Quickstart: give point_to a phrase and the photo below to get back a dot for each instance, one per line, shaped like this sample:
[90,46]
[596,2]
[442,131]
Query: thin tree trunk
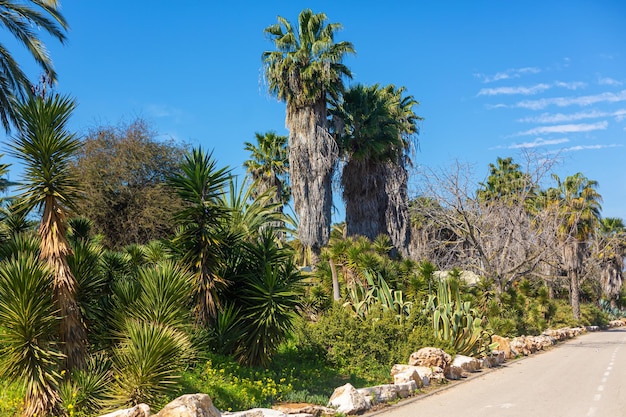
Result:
[575,294]
[333,273]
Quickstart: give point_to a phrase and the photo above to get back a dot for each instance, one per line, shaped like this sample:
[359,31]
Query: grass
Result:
[11,396]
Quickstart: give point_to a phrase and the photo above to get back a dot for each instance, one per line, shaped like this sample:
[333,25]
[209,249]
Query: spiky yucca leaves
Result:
[28,323]
[151,343]
[268,293]
[199,184]
[25,21]
[304,71]
[85,391]
[45,147]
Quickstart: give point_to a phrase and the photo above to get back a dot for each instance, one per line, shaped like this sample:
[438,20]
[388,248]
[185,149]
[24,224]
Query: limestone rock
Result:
[346,399]
[504,344]
[466,363]
[499,355]
[301,409]
[141,410]
[380,393]
[423,371]
[190,405]
[406,389]
[453,372]
[260,412]
[430,356]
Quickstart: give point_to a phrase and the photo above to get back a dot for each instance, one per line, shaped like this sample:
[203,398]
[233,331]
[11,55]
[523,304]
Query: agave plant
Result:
[456,321]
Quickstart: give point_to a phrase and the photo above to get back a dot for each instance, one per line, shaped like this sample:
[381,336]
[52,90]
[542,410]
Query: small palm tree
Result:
[304,71]
[578,207]
[45,147]
[199,184]
[269,165]
[24,20]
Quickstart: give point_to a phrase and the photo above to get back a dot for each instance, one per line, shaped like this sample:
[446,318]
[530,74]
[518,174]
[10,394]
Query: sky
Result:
[493,78]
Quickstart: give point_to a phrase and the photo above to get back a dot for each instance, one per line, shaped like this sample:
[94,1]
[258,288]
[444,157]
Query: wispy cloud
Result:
[609,81]
[527,91]
[569,101]
[568,128]
[587,147]
[538,142]
[508,74]
[514,90]
[562,118]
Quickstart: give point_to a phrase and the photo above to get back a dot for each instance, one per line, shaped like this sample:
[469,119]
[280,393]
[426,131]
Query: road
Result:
[584,377]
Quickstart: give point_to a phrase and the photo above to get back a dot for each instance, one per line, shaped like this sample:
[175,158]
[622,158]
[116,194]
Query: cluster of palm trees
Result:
[369,131]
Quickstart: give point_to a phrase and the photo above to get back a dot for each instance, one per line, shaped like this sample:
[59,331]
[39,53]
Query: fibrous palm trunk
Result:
[573,252]
[312,155]
[54,250]
[398,224]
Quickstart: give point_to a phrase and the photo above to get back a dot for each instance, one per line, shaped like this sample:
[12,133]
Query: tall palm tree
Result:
[578,207]
[375,127]
[45,147]
[304,71]
[611,252]
[24,20]
[199,184]
[269,165]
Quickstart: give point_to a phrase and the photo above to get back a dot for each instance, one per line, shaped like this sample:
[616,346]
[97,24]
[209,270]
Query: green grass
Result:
[11,396]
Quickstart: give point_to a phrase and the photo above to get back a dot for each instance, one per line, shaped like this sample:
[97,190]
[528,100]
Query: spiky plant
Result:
[45,146]
[28,323]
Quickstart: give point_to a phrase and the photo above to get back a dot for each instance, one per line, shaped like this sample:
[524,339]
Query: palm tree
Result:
[611,251]
[304,71]
[375,127]
[199,184]
[45,147]
[578,206]
[24,20]
[269,165]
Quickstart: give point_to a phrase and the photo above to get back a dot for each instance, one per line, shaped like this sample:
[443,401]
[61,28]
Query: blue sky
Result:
[493,78]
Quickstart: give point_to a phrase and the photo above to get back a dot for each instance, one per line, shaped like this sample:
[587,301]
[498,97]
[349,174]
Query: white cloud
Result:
[568,128]
[569,101]
[514,90]
[587,147]
[508,74]
[561,118]
[608,81]
[574,85]
[160,110]
[538,142]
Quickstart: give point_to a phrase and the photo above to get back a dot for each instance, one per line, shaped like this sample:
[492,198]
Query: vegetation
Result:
[152,271]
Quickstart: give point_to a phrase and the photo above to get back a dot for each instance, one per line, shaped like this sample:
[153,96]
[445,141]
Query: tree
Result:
[269,165]
[610,250]
[304,71]
[45,147]
[577,204]
[23,20]
[375,128]
[122,171]
[506,181]
[200,241]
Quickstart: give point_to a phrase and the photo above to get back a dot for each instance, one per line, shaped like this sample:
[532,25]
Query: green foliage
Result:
[85,391]
[377,294]
[28,325]
[456,322]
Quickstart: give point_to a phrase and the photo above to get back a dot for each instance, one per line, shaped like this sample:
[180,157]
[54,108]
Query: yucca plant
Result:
[28,328]
[85,391]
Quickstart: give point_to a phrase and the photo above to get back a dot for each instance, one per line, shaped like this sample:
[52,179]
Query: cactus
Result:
[361,297]
[457,322]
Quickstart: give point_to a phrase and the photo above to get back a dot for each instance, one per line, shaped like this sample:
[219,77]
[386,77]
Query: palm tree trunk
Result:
[312,155]
[54,250]
[333,273]
[398,224]
[364,194]
[575,294]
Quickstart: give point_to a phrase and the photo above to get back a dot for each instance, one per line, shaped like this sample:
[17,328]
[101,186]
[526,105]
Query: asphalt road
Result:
[583,377]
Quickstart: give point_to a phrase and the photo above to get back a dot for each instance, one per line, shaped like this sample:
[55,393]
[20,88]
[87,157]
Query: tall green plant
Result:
[28,324]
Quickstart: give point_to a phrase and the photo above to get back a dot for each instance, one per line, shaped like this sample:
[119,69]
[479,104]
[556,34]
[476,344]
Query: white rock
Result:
[257,412]
[466,363]
[346,399]
[190,405]
[380,393]
[141,410]
[406,389]
[453,372]
[423,371]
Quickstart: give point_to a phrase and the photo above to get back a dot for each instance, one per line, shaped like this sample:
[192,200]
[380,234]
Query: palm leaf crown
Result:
[305,67]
